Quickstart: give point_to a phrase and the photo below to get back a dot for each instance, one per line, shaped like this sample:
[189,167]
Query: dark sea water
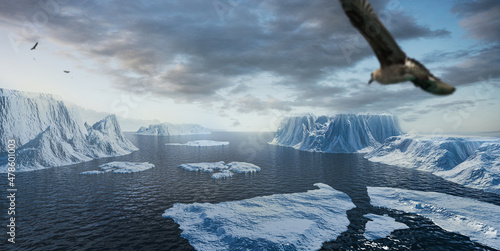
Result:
[59,209]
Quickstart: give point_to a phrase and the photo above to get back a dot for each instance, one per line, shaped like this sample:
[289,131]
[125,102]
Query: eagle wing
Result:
[363,18]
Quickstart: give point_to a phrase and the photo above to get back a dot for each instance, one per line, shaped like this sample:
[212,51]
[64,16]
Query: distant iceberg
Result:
[237,167]
[122,167]
[297,221]
[380,226]
[49,133]
[167,129]
[478,220]
[470,161]
[201,143]
[342,133]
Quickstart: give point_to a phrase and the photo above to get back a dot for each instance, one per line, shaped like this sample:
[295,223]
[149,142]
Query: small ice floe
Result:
[226,169]
[122,167]
[381,226]
[201,143]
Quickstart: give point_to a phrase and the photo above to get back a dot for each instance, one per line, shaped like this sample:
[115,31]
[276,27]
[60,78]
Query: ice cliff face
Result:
[166,129]
[50,134]
[470,161]
[342,133]
[24,115]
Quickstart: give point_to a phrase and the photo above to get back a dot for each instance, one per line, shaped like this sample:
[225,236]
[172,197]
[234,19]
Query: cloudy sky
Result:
[242,65]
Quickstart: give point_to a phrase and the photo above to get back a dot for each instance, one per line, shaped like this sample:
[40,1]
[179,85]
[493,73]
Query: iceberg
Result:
[342,133]
[166,129]
[297,221]
[59,146]
[478,220]
[122,167]
[480,170]
[201,143]
[381,226]
[470,161]
[49,133]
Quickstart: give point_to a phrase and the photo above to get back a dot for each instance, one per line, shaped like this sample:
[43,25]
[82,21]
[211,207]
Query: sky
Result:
[242,65]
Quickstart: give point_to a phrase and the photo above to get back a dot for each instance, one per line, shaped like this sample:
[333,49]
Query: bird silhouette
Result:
[66,71]
[395,66]
[34,46]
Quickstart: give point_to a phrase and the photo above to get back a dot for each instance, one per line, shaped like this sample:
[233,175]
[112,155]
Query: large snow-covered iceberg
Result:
[342,133]
[48,133]
[297,221]
[122,167]
[478,220]
[166,129]
[470,161]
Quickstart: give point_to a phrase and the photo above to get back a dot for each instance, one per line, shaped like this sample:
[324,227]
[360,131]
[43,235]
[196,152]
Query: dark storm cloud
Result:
[483,65]
[189,51]
[481,18]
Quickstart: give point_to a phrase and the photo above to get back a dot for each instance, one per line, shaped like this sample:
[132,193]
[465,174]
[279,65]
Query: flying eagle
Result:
[66,71]
[34,46]
[395,66]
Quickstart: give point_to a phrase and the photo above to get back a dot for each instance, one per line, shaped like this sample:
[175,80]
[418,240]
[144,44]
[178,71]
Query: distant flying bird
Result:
[34,46]
[395,66]
[66,71]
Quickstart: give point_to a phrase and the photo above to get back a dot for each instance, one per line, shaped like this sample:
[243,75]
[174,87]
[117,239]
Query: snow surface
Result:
[470,161]
[50,133]
[166,129]
[237,167]
[222,175]
[478,220]
[342,133]
[122,167]
[201,143]
[381,226]
[297,221]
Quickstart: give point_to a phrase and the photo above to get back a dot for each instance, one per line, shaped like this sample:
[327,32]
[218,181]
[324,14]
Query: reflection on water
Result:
[58,208]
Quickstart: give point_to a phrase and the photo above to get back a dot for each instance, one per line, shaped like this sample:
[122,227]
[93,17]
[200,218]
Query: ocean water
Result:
[59,209]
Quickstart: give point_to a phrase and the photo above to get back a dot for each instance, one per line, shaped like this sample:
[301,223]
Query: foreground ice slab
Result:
[298,221]
[381,226]
[478,220]
[122,167]
[201,143]
[237,167]
[470,161]
[342,133]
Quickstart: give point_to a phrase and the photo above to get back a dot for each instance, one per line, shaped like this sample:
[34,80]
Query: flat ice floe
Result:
[237,167]
[381,226]
[478,220]
[297,221]
[122,167]
[201,143]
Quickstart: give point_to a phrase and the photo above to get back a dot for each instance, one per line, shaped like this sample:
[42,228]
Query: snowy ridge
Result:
[470,161]
[297,221]
[50,134]
[478,220]
[342,133]
[166,129]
